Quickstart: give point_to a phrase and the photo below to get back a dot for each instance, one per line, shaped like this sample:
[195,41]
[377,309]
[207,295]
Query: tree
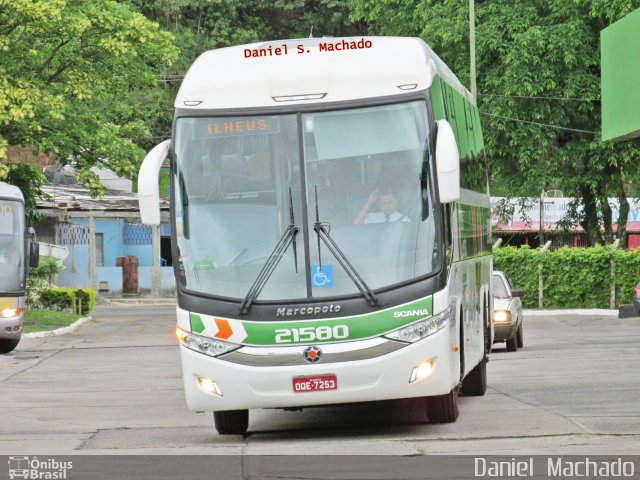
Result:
[539,87]
[68,72]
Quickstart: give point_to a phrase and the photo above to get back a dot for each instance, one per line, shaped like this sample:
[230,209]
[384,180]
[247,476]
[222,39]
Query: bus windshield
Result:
[365,179]
[12,247]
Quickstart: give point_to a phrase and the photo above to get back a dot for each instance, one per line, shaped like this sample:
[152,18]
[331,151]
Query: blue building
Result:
[109,249]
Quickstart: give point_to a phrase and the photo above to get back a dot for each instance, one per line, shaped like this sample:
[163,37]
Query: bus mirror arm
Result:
[148,183]
[447,163]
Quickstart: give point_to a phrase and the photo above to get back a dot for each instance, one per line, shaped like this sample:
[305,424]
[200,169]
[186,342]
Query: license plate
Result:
[315,383]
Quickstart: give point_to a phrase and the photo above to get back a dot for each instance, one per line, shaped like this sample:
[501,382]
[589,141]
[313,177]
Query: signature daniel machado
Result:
[300,49]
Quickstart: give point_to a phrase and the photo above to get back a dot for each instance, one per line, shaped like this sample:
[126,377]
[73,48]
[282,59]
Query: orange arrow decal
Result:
[224,329]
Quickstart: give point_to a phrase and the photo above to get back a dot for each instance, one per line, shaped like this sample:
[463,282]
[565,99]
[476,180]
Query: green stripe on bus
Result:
[358,327]
[196,323]
[330,330]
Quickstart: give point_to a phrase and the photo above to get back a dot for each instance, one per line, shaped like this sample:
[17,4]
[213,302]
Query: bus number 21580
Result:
[311,334]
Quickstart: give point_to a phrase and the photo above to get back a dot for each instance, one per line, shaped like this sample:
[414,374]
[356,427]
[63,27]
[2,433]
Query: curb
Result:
[577,312]
[58,331]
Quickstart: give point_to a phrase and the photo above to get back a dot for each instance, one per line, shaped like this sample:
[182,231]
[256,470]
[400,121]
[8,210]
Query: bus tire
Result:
[520,336]
[475,384]
[443,408]
[231,422]
[512,343]
[8,344]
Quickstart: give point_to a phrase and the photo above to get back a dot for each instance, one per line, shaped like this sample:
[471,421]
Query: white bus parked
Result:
[13,264]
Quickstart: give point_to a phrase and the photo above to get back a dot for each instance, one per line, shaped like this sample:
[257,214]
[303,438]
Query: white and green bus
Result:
[14,251]
[331,228]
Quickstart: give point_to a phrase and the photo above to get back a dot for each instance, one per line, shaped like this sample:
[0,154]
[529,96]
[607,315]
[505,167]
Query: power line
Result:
[574,99]
[540,124]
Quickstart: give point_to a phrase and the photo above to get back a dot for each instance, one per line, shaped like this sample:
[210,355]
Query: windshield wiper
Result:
[322,229]
[288,237]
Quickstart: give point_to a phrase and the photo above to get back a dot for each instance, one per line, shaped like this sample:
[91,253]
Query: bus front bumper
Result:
[11,327]
[381,378]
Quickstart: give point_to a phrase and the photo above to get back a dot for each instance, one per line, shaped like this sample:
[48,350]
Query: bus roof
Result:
[10,192]
[318,70]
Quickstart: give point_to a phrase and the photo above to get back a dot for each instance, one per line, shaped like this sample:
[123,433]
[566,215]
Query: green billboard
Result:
[620,78]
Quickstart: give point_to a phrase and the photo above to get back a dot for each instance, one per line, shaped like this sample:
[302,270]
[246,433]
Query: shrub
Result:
[39,279]
[66,299]
[572,277]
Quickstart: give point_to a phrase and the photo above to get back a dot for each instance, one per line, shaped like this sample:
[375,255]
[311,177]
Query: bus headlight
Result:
[209,346]
[11,312]
[423,328]
[502,316]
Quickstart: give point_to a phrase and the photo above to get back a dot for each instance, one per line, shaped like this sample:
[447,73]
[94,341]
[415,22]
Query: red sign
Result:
[315,383]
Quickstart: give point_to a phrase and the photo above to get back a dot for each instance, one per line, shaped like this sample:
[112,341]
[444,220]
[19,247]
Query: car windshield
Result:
[12,269]
[500,289]
[366,176]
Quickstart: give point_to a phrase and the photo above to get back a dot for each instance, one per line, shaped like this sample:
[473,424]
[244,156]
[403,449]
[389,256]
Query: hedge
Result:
[572,277]
[62,299]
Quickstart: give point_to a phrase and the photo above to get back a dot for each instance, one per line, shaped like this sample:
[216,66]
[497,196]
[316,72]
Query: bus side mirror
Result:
[447,163]
[149,184]
[34,248]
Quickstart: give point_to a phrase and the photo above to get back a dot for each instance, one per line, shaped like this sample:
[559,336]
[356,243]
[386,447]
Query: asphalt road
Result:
[115,387]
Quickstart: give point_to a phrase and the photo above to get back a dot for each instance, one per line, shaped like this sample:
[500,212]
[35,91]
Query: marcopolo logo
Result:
[36,469]
[308,310]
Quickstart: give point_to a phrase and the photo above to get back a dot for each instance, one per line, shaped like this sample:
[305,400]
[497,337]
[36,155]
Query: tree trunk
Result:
[624,210]
[590,220]
[607,218]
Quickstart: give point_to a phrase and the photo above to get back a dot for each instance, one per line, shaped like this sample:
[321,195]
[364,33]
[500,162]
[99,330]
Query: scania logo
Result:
[312,354]
[307,311]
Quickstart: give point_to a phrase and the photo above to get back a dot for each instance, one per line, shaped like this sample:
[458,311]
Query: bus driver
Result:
[387,205]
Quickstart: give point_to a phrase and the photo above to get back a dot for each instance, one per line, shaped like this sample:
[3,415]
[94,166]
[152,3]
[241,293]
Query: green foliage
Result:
[572,277]
[29,181]
[46,269]
[201,25]
[627,274]
[35,287]
[538,68]
[64,299]
[577,277]
[521,266]
[39,279]
[68,69]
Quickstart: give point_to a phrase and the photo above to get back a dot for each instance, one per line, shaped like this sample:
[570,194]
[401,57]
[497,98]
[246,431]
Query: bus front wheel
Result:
[443,408]
[231,422]
[8,344]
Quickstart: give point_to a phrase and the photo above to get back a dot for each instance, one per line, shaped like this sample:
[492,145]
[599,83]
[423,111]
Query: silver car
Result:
[507,312]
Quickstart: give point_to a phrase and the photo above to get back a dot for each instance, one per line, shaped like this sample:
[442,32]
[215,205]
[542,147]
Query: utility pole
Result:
[542,218]
[472,46]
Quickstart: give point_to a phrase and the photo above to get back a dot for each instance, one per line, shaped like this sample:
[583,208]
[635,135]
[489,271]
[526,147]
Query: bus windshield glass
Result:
[369,183]
[371,168]
[12,247]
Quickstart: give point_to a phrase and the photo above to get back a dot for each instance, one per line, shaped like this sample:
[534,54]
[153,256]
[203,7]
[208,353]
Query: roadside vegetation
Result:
[596,277]
[49,307]
[43,320]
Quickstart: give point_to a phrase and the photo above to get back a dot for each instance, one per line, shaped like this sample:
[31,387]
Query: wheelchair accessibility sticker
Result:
[322,276]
